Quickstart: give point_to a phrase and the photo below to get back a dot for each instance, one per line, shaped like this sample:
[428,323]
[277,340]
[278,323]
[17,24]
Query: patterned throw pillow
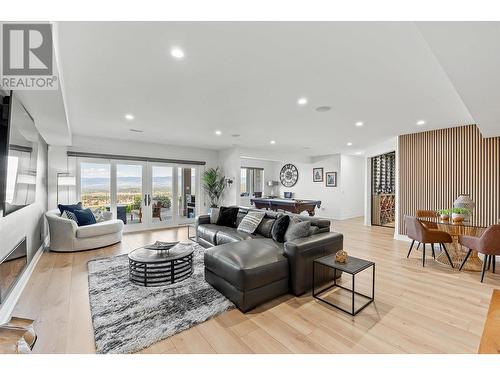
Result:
[69,215]
[99,215]
[251,221]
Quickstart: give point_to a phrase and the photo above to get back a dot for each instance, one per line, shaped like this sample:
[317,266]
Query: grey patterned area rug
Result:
[129,317]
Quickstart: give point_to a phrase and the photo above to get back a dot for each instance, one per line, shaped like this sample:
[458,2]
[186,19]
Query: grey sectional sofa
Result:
[251,269]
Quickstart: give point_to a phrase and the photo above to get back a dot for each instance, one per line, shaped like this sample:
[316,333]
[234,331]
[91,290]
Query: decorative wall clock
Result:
[289,175]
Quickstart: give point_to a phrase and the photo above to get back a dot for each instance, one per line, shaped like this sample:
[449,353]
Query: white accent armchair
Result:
[67,236]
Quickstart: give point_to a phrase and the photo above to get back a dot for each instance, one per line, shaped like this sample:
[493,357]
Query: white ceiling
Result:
[471,58]
[245,78]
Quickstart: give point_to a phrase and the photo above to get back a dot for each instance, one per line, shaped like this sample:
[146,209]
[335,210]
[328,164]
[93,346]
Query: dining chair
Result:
[488,244]
[428,214]
[419,232]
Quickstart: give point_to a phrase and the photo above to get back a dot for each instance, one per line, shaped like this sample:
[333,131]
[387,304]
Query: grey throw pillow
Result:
[251,221]
[313,230]
[214,215]
[297,229]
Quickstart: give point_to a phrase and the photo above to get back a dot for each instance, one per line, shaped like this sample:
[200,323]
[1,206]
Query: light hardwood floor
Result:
[416,310]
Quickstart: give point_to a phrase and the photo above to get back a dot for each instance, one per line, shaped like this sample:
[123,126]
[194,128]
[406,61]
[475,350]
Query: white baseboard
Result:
[10,303]
[401,237]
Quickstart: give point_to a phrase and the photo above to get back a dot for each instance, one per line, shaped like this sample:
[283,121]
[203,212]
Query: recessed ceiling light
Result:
[359,153]
[137,130]
[420,122]
[349,143]
[323,108]
[129,116]
[218,132]
[177,53]
[359,124]
[302,101]
[273,142]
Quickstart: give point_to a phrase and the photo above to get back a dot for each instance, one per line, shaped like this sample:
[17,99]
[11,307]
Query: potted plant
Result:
[444,215]
[458,214]
[214,184]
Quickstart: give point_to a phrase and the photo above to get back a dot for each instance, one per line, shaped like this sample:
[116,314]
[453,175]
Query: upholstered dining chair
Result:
[428,214]
[422,214]
[488,244]
[419,232]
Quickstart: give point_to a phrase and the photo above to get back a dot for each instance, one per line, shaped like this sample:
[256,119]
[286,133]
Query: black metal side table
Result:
[352,266]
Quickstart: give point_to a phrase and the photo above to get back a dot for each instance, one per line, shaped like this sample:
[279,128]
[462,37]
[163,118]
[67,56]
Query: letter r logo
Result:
[27,49]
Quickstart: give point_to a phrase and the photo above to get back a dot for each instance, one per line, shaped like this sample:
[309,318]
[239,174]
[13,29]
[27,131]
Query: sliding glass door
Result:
[186,193]
[130,187]
[143,195]
[161,196]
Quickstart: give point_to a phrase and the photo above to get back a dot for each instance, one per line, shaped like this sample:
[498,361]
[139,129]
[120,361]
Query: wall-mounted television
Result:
[19,142]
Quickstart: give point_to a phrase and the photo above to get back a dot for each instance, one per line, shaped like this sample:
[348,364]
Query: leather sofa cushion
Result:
[99,229]
[280,246]
[208,232]
[265,227]
[248,264]
[229,235]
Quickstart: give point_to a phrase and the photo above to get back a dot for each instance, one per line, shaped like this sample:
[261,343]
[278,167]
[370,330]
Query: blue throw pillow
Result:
[85,217]
[69,207]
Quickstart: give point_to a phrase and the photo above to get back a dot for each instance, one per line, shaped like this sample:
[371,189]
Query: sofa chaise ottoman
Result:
[247,272]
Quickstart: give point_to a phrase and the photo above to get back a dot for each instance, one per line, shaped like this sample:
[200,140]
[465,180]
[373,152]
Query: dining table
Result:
[456,251]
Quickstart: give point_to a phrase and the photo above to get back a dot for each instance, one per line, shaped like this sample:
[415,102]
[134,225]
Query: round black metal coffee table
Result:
[155,268]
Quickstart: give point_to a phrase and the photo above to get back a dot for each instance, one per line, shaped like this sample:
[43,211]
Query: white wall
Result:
[352,187]
[229,162]
[305,188]
[342,202]
[274,155]
[59,163]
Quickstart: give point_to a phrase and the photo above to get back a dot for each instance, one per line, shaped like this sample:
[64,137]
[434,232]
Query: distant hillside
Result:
[101,183]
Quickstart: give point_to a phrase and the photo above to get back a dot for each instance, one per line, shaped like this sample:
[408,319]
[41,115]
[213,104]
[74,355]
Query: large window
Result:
[252,181]
[95,186]
[142,194]
[162,193]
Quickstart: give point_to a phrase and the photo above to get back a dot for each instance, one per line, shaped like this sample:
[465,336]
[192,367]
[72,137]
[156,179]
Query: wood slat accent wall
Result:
[436,166]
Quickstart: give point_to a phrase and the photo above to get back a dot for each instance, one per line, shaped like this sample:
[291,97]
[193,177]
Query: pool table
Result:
[291,205]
